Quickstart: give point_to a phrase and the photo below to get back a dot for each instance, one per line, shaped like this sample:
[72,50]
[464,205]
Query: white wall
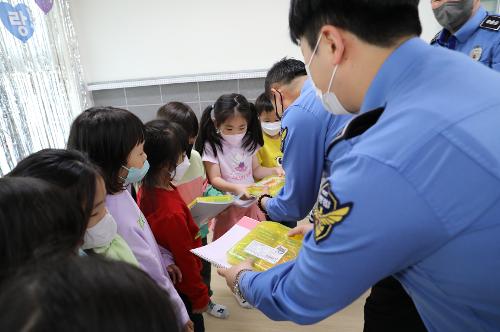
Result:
[127,40]
[429,24]
[124,39]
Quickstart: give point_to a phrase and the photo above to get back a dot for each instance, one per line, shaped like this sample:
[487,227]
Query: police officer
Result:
[306,130]
[415,188]
[469,29]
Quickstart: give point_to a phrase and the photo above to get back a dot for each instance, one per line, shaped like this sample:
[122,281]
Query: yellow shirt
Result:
[270,154]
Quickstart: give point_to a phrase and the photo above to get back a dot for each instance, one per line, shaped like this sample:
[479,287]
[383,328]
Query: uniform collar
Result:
[305,88]
[393,72]
[471,25]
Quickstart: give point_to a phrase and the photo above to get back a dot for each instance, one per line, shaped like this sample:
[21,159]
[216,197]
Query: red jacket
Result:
[174,229]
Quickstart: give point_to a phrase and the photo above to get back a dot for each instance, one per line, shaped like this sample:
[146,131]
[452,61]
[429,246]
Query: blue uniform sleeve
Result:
[379,224]
[303,142]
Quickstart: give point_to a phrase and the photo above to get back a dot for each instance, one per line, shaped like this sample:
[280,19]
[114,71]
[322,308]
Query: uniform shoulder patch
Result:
[284,134]
[491,22]
[328,213]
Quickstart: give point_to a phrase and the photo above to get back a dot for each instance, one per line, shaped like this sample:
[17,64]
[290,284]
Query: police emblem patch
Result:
[328,213]
[476,53]
[491,22]
[284,134]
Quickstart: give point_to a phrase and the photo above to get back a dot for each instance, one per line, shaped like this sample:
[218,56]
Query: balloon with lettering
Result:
[17,20]
[45,5]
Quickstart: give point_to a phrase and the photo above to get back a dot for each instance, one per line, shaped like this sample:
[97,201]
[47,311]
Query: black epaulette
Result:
[435,39]
[356,127]
[491,22]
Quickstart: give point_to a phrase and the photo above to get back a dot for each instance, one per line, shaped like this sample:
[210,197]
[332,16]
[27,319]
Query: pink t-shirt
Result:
[235,163]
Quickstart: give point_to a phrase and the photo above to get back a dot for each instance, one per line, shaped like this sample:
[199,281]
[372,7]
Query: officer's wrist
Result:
[236,284]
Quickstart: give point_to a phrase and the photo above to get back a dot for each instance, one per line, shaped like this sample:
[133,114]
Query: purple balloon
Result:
[45,5]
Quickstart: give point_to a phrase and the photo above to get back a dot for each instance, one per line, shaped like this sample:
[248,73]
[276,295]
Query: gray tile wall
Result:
[145,101]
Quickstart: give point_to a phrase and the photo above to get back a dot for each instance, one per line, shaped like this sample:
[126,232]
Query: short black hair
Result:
[284,72]
[263,104]
[107,135]
[225,107]
[164,142]
[380,22]
[182,114]
[85,294]
[37,220]
[70,170]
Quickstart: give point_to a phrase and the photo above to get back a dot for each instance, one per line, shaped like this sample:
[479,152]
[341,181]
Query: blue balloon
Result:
[17,20]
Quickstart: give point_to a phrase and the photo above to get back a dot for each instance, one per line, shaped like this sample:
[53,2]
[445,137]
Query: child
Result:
[78,177]
[169,216]
[84,294]
[229,138]
[37,221]
[113,138]
[270,154]
[193,184]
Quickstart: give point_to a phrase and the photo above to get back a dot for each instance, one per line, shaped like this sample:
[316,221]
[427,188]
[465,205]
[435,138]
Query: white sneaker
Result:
[217,310]
[243,303]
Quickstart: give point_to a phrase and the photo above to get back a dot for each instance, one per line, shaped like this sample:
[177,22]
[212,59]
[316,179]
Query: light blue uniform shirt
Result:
[306,131]
[480,43]
[414,194]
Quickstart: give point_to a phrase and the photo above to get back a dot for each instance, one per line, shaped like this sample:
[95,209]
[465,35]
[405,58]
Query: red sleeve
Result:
[173,233]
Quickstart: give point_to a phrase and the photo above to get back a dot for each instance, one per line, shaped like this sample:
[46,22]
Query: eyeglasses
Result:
[276,105]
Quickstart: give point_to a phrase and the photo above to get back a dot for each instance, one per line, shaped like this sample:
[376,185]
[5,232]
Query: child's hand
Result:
[301,229]
[279,171]
[242,190]
[175,273]
[189,327]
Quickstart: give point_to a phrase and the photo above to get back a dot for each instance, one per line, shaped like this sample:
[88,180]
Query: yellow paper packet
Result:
[268,243]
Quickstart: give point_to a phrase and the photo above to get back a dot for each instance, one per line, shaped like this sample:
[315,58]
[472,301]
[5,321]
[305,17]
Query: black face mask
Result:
[188,152]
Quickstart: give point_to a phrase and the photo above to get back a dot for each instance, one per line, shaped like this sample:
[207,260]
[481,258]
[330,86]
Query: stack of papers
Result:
[205,208]
[216,252]
[266,241]
[270,185]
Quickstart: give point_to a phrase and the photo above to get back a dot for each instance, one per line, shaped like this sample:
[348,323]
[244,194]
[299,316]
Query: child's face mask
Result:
[136,174]
[271,128]
[180,170]
[234,140]
[101,234]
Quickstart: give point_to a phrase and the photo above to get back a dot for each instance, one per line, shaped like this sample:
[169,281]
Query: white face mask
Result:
[180,170]
[271,128]
[101,234]
[329,99]
[234,140]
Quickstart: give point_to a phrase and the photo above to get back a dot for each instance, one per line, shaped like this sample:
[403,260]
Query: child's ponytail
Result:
[208,132]
[254,138]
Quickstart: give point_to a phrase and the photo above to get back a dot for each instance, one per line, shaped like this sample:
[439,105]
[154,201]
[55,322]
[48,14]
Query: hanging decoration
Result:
[42,88]
[17,20]
[45,5]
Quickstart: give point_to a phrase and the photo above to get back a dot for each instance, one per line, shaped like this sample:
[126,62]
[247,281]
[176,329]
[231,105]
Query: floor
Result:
[250,320]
